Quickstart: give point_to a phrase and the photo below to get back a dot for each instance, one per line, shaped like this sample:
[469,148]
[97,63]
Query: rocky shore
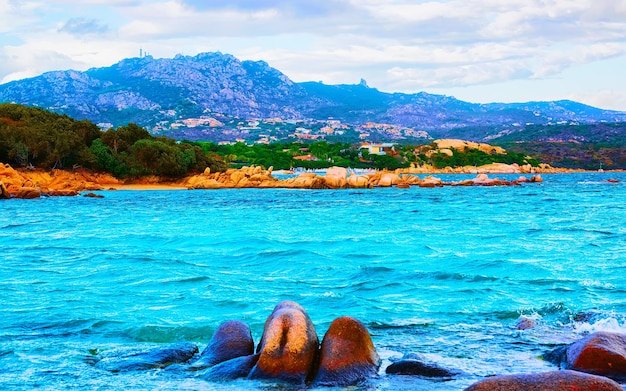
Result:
[290,352]
[36,183]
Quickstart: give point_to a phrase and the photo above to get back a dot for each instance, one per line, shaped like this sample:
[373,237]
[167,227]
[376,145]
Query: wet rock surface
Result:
[416,365]
[546,381]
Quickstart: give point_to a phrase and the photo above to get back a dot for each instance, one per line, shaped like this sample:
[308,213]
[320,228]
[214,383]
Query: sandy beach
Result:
[161,186]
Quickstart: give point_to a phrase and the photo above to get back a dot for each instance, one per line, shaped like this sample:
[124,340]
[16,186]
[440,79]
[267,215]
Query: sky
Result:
[479,51]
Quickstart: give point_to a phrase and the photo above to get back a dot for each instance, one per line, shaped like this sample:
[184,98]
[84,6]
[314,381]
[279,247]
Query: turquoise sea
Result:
[443,272]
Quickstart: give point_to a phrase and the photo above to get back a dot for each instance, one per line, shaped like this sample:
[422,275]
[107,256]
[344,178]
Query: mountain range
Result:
[156,92]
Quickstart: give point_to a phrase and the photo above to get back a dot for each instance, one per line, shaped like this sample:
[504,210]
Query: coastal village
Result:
[223,129]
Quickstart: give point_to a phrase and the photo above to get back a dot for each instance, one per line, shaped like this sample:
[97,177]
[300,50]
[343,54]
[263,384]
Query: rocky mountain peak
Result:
[148,90]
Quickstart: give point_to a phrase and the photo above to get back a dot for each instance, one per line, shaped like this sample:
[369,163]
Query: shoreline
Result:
[142,187]
[23,183]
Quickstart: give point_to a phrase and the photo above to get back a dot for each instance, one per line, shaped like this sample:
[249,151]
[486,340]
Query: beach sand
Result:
[160,186]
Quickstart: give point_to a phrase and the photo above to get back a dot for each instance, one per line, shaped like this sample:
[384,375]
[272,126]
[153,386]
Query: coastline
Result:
[25,183]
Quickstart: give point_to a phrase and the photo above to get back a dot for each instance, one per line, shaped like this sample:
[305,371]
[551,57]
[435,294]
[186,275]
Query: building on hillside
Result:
[308,158]
[379,149]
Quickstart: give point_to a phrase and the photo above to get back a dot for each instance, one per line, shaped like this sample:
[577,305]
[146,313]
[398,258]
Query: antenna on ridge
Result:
[140,52]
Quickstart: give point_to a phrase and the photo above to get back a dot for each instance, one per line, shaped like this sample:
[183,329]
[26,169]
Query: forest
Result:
[36,138]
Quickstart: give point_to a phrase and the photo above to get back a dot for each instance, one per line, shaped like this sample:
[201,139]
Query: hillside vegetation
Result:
[32,137]
[585,146]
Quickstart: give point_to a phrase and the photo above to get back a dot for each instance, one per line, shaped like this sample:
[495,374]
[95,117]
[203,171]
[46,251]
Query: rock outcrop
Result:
[31,184]
[462,145]
[415,365]
[347,356]
[547,381]
[601,353]
[35,183]
[233,178]
[288,347]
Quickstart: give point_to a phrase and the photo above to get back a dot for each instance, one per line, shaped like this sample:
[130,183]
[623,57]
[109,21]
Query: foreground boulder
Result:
[124,361]
[288,347]
[415,365]
[547,381]
[348,355]
[232,339]
[601,353]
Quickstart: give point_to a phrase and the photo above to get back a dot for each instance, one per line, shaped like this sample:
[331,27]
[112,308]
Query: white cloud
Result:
[394,44]
[606,99]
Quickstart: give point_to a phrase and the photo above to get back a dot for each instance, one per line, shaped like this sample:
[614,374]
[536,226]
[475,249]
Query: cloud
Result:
[406,45]
[24,63]
[300,8]
[606,99]
[81,26]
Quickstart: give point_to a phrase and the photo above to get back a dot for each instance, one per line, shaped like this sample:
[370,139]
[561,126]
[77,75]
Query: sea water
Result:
[444,272]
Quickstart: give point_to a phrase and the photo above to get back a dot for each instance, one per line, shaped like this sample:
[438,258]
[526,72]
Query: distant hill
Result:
[154,92]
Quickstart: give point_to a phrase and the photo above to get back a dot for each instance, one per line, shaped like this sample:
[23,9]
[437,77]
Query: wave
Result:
[401,324]
[167,334]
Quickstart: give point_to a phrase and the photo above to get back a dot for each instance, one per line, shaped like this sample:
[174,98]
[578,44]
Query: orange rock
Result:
[244,182]
[27,193]
[601,353]
[62,193]
[430,181]
[236,176]
[358,181]
[288,347]
[547,381]
[348,355]
[304,181]
[522,179]
[388,179]
[411,179]
[206,184]
[336,177]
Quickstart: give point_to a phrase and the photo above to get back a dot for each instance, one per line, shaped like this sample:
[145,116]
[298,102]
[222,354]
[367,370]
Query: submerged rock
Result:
[62,193]
[348,355]
[231,339]
[93,195]
[125,361]
[232,369]
[525,323]
[547,381]
[415,365]
[288,347]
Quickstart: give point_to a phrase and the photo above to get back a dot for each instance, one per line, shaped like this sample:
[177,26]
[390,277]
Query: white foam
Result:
[607,324]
